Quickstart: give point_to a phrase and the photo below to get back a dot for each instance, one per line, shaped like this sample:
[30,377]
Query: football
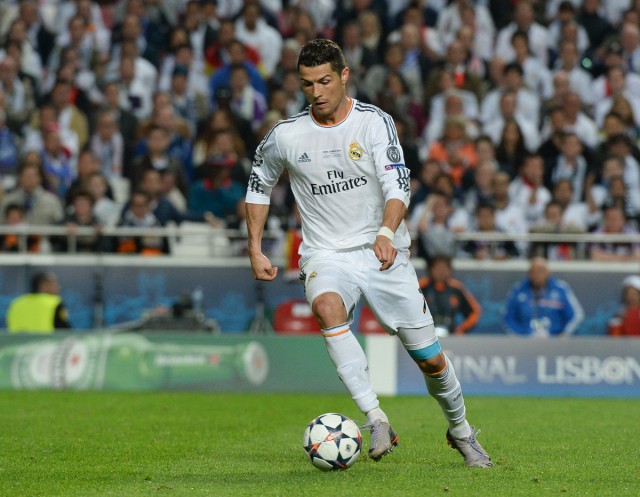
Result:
[332,441]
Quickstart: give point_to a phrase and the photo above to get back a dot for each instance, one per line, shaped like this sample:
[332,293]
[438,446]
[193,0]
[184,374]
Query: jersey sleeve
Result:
[391,169]
[267,167]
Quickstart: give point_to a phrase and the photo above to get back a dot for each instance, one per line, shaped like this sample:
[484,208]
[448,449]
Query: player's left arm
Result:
[393,176]
[394,211]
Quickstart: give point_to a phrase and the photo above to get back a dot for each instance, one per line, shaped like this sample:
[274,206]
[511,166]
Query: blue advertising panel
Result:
[573,367]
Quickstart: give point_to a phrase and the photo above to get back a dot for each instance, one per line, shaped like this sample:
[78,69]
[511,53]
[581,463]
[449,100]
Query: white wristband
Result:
[384,231]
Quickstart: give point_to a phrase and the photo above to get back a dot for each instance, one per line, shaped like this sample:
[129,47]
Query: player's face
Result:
[325,91]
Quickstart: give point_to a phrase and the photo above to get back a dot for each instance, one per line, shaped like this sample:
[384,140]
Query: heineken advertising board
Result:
[133,361]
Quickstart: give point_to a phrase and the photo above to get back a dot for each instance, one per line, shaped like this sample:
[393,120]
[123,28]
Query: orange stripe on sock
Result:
[337,333]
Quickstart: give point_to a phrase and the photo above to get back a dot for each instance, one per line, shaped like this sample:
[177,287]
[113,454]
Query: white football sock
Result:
[445,388]
[351,363]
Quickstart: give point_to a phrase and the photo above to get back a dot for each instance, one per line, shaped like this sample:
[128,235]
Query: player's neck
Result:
[339,115]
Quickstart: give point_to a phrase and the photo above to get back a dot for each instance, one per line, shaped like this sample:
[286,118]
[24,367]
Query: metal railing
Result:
[208,234]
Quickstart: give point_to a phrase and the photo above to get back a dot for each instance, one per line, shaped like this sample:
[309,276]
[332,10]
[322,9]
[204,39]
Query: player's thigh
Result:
[336,274]
[395,297]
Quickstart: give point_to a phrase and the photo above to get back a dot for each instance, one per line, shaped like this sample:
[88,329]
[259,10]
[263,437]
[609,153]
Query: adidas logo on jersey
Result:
[304,158]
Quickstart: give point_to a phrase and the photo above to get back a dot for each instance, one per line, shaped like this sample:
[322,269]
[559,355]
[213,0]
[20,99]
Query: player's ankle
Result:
[376,414]
[460,430]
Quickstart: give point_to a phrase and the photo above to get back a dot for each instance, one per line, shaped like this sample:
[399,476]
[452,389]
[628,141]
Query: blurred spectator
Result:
[454,309]
[358,57]
[528,190]
[80,215]
[8,154]
[217,194]
[105,209]
[453,17]
[596,25]
[508,111]
[527,106]
[482,249]
[436,222]
[162,208]
[455,151]
[127,121]
[481,190]
[424,183]
[612,87]
[252,29]
[133,92]
[41,310]
[19,98]
[139,215]
[17,44]
[630,41]
[375,77]
[219,53]
[396,99]
[221,78]
[70,117]
[579,79]
[202,33]
[575,212]
[76,37]
[41,38]
[524,20]
[626,321]
[614,222]
[58,164]
[463,79]
[164,116]
[371,32]
[536,76]
[620,146]
[565,15]
[246,101]
[158,157]
[579,122]
[14,215]
[542,305]
[451,102]
[571,164]
[196,80]
[553,222]
[190,105]
[511,149]
[510,216]
[107,144]
[41,207]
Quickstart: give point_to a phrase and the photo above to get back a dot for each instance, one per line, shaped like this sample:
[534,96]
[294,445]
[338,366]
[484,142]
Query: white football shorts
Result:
[393,295]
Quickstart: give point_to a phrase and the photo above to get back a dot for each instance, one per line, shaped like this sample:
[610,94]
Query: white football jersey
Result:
[341,175]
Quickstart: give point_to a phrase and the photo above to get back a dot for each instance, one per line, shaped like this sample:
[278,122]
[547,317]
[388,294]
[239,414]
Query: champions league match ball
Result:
[332,441]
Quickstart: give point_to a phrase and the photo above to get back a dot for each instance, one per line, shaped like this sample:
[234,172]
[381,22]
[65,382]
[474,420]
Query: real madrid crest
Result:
[355,151]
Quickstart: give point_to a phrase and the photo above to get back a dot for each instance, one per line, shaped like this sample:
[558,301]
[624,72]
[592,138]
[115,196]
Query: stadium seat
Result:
[295,317]
[198,240]
[367,323]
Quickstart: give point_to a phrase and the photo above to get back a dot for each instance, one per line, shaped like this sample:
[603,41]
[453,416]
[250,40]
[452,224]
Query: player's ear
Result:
[345,75]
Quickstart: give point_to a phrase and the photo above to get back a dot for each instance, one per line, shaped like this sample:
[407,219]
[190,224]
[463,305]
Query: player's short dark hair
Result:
[321,51]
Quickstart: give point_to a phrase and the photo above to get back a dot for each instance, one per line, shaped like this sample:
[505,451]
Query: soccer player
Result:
[351,186]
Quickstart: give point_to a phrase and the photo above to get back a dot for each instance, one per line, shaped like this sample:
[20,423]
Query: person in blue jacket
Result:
[542,305]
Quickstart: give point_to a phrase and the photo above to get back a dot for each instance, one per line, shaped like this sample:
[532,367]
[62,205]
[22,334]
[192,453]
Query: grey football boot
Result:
[474,455]
[383,439]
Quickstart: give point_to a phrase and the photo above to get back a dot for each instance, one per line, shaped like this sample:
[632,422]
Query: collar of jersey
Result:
[336,124]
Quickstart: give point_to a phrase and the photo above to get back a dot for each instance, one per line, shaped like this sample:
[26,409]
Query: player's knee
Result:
[329,309]
[432,365]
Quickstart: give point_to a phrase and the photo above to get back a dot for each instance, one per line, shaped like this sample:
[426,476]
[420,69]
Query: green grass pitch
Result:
[210,444]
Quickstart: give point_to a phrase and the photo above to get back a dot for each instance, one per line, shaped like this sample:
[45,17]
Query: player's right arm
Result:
[260,263]
[267,167]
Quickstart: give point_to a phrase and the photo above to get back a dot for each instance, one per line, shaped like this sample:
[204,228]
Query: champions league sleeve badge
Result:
[393,154]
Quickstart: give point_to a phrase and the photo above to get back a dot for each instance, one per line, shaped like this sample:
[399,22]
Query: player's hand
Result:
[262,268]
[385,252]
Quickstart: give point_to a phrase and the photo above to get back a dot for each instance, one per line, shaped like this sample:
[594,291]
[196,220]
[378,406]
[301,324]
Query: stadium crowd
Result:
[515,116]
